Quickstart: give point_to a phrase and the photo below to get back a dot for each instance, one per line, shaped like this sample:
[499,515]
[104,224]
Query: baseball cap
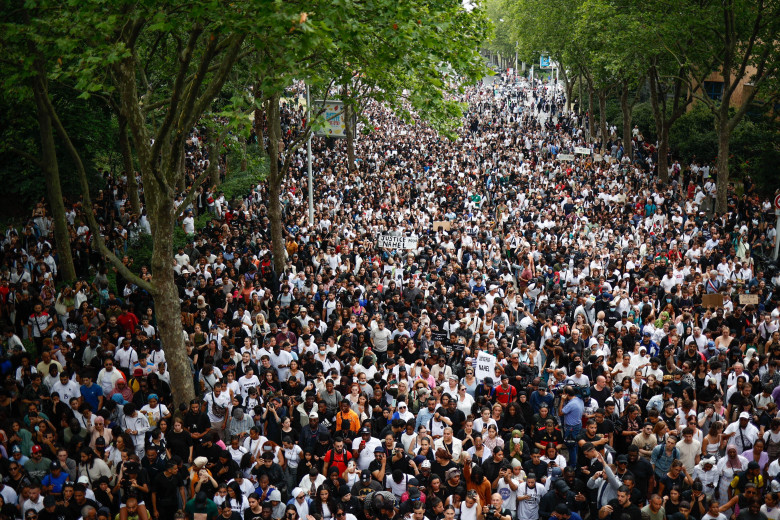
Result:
[744,415]
[49,501]
[275,496]
[488,381]
[426,464]
[313,415]
[379,449]
[36,448]
[365,476]
[562,486]
[365,431]
[452,473]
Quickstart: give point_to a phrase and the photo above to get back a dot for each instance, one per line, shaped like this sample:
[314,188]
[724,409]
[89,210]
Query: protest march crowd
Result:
[567,338]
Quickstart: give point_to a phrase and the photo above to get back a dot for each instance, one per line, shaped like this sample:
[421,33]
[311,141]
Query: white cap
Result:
[744,415]
[313,415]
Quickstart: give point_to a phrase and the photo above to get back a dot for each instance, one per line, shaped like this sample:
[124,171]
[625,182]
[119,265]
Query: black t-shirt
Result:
[606,427]
[539,470]
[196,423]
[249,515]
[59,513]
[618,511]
[642,471]
[600,395]
[166,489]
[179,444]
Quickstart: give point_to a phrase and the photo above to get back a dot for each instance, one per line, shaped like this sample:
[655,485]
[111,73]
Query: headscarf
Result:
[126,392]
[512,443]
[733,462]
[663,318]
[303,509]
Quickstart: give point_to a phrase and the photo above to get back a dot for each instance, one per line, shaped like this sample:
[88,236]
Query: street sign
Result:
[777,201]
[396,242]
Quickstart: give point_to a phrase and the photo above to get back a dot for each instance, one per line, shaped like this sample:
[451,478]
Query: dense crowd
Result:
[568,339]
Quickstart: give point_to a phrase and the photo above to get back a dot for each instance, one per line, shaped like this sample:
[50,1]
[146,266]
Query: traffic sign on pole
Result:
[777,201]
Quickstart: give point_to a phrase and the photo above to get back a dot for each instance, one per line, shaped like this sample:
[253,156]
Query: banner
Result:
[581,150]
[712,300]
[597,157]
[396,242]
[486,366]
[335,125]
[544,62]
[565,156]
[748,299]
[445,225]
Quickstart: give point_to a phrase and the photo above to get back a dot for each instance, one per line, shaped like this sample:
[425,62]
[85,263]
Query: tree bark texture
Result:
[602,94]
[51,173]
[275,178]
[627,110]
[127,165]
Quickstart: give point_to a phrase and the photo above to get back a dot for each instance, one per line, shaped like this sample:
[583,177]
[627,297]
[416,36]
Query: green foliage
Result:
[241,182]
[201,221]
[22,178]
[693,136]
[753,150]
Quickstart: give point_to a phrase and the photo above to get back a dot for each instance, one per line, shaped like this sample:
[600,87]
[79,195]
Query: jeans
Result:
[570,434]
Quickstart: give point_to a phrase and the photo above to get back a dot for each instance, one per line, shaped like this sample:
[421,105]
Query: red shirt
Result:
[128,321]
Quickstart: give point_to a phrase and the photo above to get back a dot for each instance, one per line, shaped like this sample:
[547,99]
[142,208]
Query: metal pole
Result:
[308,161]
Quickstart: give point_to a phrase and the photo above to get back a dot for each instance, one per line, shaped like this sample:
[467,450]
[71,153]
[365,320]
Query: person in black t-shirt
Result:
[536,466]
[165,492]
[255,509]
[617,507]
[196,422]
[642,470]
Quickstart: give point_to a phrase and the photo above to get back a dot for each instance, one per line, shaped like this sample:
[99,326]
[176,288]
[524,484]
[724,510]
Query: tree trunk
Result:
[724,140]
[628,113]
[127,164]
[51,173]
[663,151]
[603,118]
[166,297]
[350,131]
[590,112]
[214,160]
[275,178]
[568,86]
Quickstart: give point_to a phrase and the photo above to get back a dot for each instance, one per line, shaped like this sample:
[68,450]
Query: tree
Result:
[165,66]
[25,78]
[547,26]
[411,56]
[743,48]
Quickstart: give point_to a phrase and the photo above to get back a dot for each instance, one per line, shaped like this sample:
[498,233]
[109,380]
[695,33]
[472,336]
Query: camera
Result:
[492,510]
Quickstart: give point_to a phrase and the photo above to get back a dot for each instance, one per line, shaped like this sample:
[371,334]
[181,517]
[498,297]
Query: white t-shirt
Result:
[216,401]
[189,225]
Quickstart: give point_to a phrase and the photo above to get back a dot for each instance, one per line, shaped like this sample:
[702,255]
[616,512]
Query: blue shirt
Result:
[537,401]
[572,412]
[91,395]
[56,483]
